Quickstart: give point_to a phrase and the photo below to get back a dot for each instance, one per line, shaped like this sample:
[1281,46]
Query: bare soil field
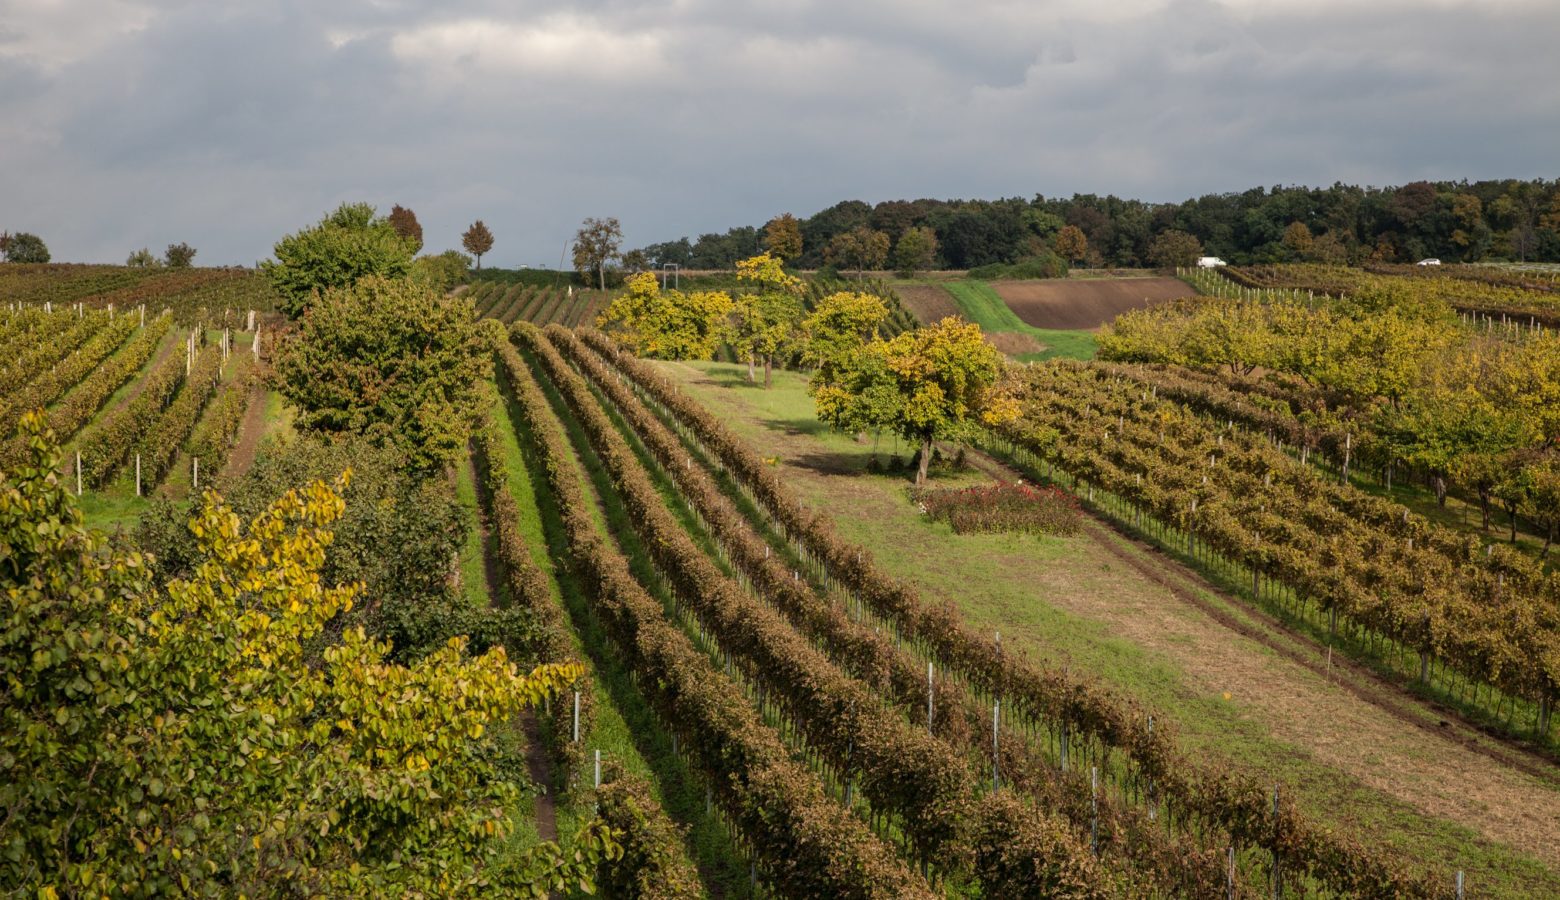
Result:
[929,303]
[1084,303]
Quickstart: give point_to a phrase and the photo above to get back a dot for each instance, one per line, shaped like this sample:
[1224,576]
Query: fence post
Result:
[78,473]
[577,717]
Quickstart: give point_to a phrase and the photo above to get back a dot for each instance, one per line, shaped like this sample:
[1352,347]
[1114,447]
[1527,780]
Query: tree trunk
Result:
[1484,506]
[602,272]
[752,378]
[479,262]
[769,364]
[926,461]
[1512,513]
[1549,540]
[1438,481]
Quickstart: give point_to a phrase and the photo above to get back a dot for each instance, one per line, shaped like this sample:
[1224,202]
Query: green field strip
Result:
[981,305]
[627,729]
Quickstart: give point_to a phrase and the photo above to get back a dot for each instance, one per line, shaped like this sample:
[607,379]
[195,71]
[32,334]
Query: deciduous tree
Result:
[1298,240]
[477,240]
[179,256]
[1174,248]
[595,245]
[347,245]
[23,247]
[783,237]
[916,251]
[1071,244]
[925,384]
[405,223]
[667,324]
[861,248]
[765,322]
[209,735]
[143,259]
[390,359]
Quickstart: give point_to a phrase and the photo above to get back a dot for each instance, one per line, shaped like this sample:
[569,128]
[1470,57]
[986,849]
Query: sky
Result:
[139,123]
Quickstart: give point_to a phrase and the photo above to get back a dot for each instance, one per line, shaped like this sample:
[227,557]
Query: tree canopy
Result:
[595,245]
[783,237]
[23,247]
[347,245]
[667,324]
[477,240]
[179,256]
[392,360]
[405,223]
[924,384]
[209,735]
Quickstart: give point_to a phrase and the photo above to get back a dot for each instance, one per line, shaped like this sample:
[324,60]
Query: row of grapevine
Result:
[44,348]
[214,296]
[1485,298]
[651,842]
[48,386]
[861,649]
[902,772]
[160,446]
[526,586]
[804,843]
[540,306]
[1046,695]
[1488,613]
[107,445]
[218,429]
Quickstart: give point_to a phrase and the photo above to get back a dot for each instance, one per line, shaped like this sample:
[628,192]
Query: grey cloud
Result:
[228,125]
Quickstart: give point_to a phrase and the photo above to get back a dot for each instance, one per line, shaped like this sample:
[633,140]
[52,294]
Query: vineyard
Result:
[761,684]
[1497,300]
[139,392]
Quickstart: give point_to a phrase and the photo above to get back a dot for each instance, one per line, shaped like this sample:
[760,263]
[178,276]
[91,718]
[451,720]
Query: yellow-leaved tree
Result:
[765,322]
[934,382]
[208,736]
[665,324]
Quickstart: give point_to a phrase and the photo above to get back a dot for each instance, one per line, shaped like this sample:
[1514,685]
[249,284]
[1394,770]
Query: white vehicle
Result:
[1428,262]
[1209,262]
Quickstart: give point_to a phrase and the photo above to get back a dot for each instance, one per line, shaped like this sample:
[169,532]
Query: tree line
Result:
[1455,221]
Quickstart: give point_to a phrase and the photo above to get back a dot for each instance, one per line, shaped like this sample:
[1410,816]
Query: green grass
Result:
[625,728]
[1000,582]
[473,553]
[982,306]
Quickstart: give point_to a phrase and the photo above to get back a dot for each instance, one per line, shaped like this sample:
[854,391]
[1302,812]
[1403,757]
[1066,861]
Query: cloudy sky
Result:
[130,123]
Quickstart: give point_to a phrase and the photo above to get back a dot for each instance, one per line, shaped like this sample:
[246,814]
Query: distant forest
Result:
[1454,221]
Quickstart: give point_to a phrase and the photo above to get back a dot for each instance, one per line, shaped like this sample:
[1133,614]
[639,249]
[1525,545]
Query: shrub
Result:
[1004,506]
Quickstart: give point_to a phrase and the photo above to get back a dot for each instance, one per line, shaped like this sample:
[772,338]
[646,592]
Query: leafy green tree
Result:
[765,323]
[783,237]
[667,324]
[1438,432]
[595,245]
[1299,241]
[347,245]
[405,223]
[207,736]
[1542,494]
[392,360]
[916,251]
[838,328]
[1174,248]
[444,271]
[925,384]
[23,247]
[477,240]
[1071,244]
[143,259]
[179,256]
[861,248]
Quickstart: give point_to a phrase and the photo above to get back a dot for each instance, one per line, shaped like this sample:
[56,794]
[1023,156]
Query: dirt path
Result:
[1365,733]
[250,432]
[1078,303]
[1192,588]
[540,769]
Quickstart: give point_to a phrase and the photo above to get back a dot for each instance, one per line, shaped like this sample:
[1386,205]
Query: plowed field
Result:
[1084,303]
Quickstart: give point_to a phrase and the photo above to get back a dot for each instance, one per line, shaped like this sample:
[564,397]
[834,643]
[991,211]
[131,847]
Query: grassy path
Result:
[1230,697]
[624,728]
